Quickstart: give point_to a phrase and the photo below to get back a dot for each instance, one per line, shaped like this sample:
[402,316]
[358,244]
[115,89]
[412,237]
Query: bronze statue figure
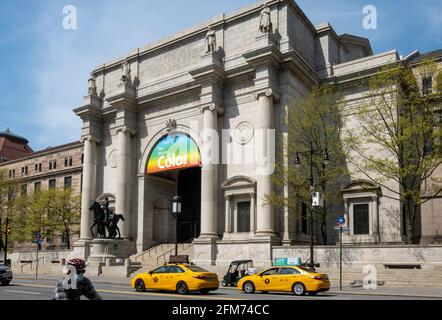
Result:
[105,218]
[99,220]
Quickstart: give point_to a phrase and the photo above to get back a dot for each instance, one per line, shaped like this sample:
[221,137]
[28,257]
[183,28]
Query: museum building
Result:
[195,115]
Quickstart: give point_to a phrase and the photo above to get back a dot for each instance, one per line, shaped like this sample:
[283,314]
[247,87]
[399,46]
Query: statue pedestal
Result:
[108,250]
[264,40]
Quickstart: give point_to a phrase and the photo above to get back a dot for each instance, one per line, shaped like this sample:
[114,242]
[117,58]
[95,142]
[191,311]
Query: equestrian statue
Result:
[105,218]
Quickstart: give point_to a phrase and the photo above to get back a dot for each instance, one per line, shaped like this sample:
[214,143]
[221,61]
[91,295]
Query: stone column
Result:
[123,185]
[252,213]
[265,219]
[209,173]
[228,226]
[88,193]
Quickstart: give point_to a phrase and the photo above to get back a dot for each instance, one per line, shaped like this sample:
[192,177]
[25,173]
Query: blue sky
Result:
[44,68]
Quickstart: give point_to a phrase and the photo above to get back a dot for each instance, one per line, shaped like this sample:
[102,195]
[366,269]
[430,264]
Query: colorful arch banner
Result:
[173,152]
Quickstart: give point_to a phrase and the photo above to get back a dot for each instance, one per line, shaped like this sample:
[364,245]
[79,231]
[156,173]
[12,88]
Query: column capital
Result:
[125,129]
[269,92]
[211,107]
[90,138]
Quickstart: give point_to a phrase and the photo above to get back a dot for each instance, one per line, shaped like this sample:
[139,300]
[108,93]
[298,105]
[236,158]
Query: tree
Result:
[8,191]
[396,140]
[52,212]
[311,121]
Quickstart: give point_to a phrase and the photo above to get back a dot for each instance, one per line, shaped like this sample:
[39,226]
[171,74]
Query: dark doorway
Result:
[189,189]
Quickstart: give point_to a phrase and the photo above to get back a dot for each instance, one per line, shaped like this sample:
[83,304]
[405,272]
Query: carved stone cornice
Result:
[264,56]
[125,129]
[124,97]
[89,112]
[90,138]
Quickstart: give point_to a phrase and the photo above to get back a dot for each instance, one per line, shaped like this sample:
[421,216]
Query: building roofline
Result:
[198,29]
[39,153]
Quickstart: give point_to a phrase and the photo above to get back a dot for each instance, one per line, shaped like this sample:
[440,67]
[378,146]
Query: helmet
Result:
[78,264]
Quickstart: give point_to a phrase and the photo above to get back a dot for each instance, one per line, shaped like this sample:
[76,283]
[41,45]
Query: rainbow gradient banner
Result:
[174,151]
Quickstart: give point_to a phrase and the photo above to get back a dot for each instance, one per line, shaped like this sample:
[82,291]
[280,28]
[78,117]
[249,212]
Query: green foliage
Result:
[311,121]
[397,135]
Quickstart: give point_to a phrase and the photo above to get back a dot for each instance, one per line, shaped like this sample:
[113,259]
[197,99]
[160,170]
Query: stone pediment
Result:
[361,185]
[238,182]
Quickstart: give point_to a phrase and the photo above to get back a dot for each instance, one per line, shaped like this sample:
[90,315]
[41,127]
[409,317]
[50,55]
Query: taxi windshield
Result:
[196,269]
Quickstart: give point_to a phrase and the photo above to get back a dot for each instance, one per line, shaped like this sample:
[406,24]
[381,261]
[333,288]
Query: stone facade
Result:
[245,80]
[61,166]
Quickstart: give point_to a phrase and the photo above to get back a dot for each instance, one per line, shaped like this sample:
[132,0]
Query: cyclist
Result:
[66,290]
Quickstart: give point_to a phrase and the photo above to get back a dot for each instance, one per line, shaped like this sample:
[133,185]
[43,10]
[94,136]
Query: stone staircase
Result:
[411,278]
[159,255]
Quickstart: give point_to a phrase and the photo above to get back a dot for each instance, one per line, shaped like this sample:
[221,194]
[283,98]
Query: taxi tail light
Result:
[316,277]
[201,277]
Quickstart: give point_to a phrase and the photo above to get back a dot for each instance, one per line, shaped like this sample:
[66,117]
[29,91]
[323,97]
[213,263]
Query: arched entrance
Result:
[175,159]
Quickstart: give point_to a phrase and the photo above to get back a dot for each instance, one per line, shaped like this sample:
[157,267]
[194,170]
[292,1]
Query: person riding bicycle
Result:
[67,289]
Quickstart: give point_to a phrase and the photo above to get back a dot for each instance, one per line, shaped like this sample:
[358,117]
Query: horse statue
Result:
[112,225]
[99,220]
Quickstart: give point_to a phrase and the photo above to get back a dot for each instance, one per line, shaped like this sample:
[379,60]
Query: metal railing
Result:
[184,246]
[31,263]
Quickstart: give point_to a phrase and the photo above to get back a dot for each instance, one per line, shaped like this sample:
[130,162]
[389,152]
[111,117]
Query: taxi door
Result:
[157,279]
[268,280]
[287,276]
[171,277]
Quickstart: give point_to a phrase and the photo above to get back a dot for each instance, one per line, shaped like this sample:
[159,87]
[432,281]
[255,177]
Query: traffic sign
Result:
[340,220]
[37,236]
[342,228]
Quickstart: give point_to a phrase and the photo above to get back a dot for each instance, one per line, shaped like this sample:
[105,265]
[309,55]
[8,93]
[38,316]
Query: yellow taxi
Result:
[298,280]
[178,277]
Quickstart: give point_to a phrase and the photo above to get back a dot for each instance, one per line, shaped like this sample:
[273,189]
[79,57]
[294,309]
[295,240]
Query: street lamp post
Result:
[176,211]
[310,153]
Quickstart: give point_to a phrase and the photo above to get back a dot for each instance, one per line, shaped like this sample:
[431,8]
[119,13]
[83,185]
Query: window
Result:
[174,269]
[13,173]
[304,219]
[360,218]
[52,183]
[50,164]
[82,158]
[68,182]
[66,162]
[288,271]
[70,161]
[196,269]
[22,171]
[270,272]
[26,170]
[55,164]
[427,85]
[243,216]
[10,173]
[36,167]
[37,186]
[162,269]
[39,167]
[24,190]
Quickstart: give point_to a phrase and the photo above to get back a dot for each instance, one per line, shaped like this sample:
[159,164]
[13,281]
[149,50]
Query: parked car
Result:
[298,280]
[5,274]
[177,277]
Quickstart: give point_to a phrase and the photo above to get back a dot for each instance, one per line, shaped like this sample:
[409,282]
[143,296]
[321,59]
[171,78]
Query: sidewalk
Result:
[381,290]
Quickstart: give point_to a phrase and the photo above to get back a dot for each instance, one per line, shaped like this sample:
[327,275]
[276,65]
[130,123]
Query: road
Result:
[21,289]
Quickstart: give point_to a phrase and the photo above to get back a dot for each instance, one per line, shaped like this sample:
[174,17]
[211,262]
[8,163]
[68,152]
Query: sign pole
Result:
[340,257]
[36,268]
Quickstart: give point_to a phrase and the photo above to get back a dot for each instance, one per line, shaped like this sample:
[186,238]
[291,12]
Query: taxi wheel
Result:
[182,288]
[204,291]
[140,286]
[248,287]
[6,283]
[298,289]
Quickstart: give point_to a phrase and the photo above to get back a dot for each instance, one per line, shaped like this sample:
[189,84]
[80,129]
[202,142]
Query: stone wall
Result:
[355,256]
